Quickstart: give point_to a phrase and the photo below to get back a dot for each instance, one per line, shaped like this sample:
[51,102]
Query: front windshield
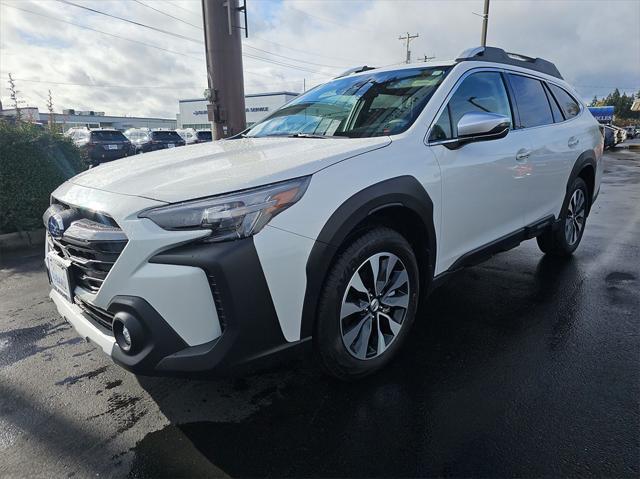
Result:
[373,104]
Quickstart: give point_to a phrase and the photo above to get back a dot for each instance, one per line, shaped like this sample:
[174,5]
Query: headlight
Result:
[232,216]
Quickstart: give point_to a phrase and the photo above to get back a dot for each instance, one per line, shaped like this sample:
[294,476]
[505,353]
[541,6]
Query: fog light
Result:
[128,332]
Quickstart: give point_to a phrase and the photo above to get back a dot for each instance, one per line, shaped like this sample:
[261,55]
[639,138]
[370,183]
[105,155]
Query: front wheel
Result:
[564,240]
[368,304]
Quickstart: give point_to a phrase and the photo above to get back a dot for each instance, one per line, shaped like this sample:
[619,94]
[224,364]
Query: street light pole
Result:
[223,47]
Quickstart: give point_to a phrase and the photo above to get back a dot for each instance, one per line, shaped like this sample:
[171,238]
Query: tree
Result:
[52,125]
[13,94]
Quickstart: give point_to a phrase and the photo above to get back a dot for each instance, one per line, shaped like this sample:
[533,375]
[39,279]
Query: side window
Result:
[482,91]
[555,109]
[569,105]
[533,106]
[442,128]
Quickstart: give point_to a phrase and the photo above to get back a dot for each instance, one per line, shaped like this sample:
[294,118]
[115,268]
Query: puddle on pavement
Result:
[19,344]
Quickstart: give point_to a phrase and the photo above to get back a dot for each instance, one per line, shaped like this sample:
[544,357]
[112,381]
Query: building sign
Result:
[255,109]
[199,112]
[604,114]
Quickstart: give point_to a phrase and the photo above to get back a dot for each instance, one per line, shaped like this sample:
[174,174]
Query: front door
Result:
[483,196]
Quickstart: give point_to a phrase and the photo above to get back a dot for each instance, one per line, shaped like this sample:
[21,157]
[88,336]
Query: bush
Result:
[33,162]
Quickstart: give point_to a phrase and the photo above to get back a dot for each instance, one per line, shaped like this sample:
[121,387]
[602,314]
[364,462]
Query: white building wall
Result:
[193,113]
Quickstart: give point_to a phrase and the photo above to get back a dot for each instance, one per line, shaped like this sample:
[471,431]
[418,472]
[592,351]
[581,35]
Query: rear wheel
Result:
[367,305]
[564,240]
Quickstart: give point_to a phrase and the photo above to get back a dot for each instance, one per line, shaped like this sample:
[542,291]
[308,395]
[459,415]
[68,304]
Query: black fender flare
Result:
[586,158]
[404,191]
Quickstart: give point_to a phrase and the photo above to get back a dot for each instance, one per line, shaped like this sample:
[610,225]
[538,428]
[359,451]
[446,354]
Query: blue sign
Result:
[604,114]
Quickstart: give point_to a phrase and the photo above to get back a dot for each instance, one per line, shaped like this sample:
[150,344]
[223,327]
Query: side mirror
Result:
[481,126]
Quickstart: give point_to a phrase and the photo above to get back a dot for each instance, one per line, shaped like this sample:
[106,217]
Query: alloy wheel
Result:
[576,213]
[374,306]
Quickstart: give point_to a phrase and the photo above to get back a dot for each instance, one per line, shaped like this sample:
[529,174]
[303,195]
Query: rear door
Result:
[553,146]
[482,190]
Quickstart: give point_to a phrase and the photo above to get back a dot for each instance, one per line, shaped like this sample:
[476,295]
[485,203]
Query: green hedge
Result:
[33,162]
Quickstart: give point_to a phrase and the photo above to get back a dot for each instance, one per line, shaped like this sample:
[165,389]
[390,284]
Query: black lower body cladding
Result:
[245,309]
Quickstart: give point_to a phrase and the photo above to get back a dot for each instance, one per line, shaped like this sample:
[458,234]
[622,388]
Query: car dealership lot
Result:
[521,366]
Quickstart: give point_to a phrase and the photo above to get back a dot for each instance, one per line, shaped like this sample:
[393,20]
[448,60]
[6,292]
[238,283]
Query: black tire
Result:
[329,345]
[558,241]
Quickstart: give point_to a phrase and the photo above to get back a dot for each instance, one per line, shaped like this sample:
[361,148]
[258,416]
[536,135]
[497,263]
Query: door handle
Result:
[523,155]
[573,141]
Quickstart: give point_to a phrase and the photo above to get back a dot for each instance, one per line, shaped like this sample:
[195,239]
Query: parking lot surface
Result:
[522,366]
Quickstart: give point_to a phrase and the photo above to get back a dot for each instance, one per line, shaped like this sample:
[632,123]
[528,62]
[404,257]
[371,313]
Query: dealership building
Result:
[193,112]
[91,119]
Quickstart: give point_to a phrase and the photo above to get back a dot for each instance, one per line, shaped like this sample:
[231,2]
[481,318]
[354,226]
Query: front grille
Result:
[100,316]
[92,242]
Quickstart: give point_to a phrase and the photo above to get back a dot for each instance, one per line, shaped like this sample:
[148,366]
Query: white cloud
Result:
[596,45]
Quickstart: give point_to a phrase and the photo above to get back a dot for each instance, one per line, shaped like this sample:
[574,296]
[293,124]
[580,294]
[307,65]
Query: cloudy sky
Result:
[92,61]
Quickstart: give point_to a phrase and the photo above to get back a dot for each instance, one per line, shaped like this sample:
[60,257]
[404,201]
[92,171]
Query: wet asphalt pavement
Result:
[522,366]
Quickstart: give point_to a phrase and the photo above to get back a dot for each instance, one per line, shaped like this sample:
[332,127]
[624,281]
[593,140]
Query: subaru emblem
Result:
[55,225]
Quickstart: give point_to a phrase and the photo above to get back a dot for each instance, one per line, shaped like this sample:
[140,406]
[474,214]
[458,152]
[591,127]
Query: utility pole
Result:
[408,39]
[485,22]
[223,48]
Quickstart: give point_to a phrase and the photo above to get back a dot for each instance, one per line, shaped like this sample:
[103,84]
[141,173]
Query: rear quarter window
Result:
[166,135]
[569,105]
[108,136]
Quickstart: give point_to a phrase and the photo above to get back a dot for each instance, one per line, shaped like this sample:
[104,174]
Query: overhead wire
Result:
[139,24]
[168,14]
[101,32]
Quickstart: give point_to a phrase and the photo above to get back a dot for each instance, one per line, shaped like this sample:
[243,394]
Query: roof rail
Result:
[353,70]
[498,55]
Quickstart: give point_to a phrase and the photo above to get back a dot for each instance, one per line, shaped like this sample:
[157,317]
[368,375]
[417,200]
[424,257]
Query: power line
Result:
[181,8]
[306,52]
[101,32]
[134,87]
[327,20]
[278,62]
[294,59]
[254,57]
[160,30]
[275,62]
[247,46]
[167,14]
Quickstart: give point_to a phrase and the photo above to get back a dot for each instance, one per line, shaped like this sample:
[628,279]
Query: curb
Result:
[21,240]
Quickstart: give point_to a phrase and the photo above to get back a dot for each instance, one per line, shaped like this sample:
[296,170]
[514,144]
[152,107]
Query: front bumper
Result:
[250,329]
[202,306]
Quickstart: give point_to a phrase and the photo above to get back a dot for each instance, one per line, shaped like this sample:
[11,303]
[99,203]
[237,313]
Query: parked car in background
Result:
[100,145]
[621,133]
[204,136]
[146,140]
[188,135]
[191,136]
[610,138]
[631,132]
[324,223]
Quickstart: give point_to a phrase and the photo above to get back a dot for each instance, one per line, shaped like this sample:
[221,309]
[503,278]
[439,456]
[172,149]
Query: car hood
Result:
[206,169]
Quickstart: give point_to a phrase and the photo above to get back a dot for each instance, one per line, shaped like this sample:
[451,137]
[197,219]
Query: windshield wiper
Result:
[311,135]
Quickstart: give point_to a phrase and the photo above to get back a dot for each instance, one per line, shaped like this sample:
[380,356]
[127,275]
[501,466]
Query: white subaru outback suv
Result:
[327,220]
